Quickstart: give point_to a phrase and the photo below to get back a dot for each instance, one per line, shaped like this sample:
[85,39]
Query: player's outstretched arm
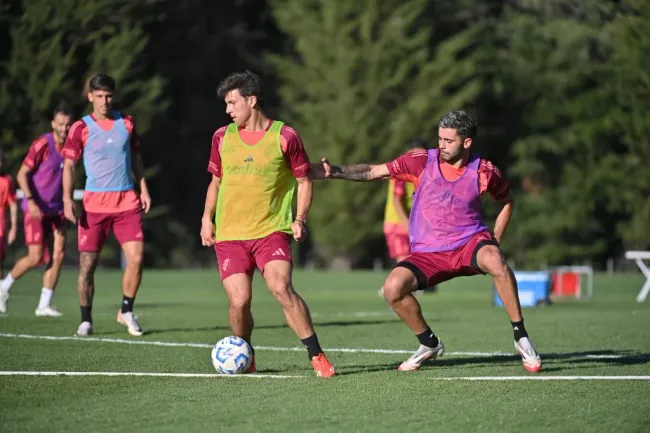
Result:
[355,173]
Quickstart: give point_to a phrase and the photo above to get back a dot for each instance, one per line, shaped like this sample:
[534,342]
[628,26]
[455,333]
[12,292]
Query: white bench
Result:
[639,257]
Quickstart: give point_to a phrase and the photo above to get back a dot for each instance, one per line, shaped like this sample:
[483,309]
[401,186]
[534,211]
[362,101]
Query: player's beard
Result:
[451,158]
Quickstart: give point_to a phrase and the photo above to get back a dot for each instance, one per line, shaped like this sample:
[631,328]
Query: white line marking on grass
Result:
[300,349]
[135,373]
[507,378]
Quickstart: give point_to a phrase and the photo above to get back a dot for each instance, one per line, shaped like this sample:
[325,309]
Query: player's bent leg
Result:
[51,274]
[398,288]
[490,260]
[133,254]
[24,264]
[277,274]
[239,289]
[86,290]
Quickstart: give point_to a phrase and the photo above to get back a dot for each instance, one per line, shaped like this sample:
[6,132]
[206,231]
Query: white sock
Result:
[46,297]
[7,282]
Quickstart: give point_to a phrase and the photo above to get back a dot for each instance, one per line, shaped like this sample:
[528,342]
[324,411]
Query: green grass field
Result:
[608,335]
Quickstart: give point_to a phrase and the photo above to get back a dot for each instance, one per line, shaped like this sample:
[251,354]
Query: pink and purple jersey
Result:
[45,177]
[447,202]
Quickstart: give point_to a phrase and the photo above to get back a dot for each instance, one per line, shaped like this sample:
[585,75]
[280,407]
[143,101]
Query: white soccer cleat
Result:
[47,311]
[529,356]
[131,323]
[422,354]
[84,330]
[4,296]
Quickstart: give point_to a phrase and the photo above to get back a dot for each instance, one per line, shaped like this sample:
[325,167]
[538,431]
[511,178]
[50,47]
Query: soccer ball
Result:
[231,355]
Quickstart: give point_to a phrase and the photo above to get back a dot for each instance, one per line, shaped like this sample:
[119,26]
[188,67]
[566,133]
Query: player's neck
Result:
[462,161]
[257,122]
[100,116]
[57,140]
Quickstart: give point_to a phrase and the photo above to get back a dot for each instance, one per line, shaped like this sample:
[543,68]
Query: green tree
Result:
[361,79]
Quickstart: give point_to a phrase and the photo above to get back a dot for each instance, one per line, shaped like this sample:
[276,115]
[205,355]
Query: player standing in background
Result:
[256,164]
[448,236]
[7,199]
[111,155]
[40,178]
[396,213]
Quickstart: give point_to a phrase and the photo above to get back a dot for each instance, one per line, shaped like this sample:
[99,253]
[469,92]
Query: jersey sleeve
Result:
[295,153]
[492,181]
[36,153]
[73,147]
[408,167]
[134,141]
[214,165]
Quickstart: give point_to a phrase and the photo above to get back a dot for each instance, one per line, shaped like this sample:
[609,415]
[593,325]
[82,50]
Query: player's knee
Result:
[493,263]
[241,302]
[280,286]
[34,258]
[58,256]
[394,288]
[134,260]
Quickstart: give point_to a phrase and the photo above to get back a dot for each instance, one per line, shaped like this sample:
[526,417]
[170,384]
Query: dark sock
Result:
[428,338]
[519,330]
[86,313]
[127,304]
[312,345]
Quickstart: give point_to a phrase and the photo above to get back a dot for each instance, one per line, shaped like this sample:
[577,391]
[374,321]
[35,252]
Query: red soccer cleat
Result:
[322,366]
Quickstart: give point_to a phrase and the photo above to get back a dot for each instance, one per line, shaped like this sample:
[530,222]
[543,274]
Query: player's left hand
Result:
[11,236]
[145,201]
[299,230]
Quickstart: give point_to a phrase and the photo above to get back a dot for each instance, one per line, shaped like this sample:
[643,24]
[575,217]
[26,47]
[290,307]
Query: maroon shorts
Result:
[242,257]
[398,244]
[434,268]
[37,231]
[94,227]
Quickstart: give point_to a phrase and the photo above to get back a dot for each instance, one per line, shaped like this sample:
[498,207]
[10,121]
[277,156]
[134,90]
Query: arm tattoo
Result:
[357,173]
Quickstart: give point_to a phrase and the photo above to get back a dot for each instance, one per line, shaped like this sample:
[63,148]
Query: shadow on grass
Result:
[552,361]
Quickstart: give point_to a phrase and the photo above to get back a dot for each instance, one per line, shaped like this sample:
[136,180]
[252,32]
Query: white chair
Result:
[639,257]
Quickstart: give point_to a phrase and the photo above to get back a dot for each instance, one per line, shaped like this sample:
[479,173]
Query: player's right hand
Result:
[69,211]
[207,232]
[34,210]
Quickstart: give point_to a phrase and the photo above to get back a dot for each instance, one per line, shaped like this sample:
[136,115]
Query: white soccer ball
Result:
[231,355]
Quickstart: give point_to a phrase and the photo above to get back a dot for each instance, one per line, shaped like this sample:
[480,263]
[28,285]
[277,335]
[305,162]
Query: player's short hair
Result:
[463,122]
[101,82]
[415,143]
[62,108]
[248,84]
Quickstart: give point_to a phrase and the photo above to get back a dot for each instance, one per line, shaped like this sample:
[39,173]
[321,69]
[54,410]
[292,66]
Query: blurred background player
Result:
[40,178]
[111,154]
[399,201]
[449,238]
[256,164]
[7,199]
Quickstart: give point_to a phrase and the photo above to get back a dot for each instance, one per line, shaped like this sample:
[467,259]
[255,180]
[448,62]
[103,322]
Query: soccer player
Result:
[448,236]
[110,147]
[396,213]
[40,178]
[7,199]
[257,164]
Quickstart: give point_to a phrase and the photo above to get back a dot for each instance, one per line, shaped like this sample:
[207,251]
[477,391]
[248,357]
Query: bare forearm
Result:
[23,184]
[13,214]
[356,173]
[502,221]
[305,194]
[68,179]
[138,172]
[211,201]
